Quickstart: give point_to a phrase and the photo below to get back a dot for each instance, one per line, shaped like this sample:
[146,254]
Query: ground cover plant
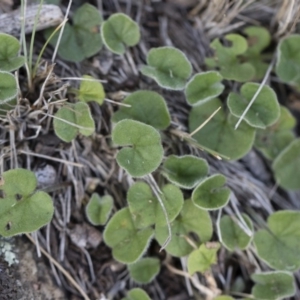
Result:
[179,204]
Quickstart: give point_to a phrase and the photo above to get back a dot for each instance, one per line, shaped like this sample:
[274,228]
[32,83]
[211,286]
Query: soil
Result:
[72,172]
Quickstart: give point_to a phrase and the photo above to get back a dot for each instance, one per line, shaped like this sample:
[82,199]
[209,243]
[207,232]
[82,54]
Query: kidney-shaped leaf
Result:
[73,119]
[232,235]
[147,107]
[286,166]
[91,90]
[200,260]
[168,66]
[185,171]
[137,294]
[23,210]
[275,138]
[203,87]
[190,219]
[82,39]
[8,87]
[227,60]
[263,112]
[99,208]
[120,31]
[219,134]
[127,242]
[145,152]
[9,51]
[288,60]
[273,285]
[145,207]
[279,245]
[144,270]
[211,194]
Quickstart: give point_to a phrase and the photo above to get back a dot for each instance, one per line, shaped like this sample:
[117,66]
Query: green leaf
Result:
[223,298]
[211,194]
[23,210]
[288,60]
[226,58]
[91,90]
[219,134]
[137,294]
[279,244]
[73,119]
[18,181]
[203,87]
[190,219]
[120,31]
[146,152]
[145,207]
[286,166]
[7,106]
[258,39]
[82,40]
[8,87]
[128,243]
[263,112]
[277,137]
[273,285]
[200,260]
[185,171]
[147,107]
[232,235]
[98,209]
[144,270]
[9,53]
[168,66]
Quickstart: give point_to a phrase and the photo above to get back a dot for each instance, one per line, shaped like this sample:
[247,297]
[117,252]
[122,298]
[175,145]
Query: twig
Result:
[64,271]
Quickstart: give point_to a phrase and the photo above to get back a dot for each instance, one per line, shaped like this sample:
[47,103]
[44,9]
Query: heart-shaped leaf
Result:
[127,242]
[137,294]
[73,119]
[82,39]
[147,107]
[203,87]
[190,219]
[258,39]
[286,166]
[8,87]
[263,112]
[120,31]
[144,270]
[200,260]
[288,60]
[23,210]
[99,208]
[277,137]
[219,134]
[9,53]
[273,285]
[145,207]
[91,90]
[279,244]
[168,66]
[232,235]
[146,152]
[185,171]
[226,58]
[211,194]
